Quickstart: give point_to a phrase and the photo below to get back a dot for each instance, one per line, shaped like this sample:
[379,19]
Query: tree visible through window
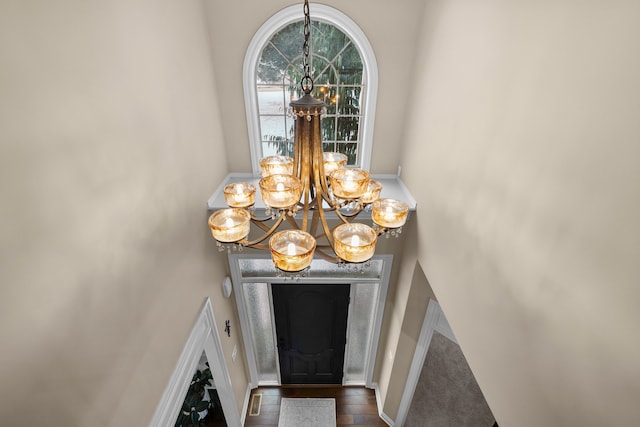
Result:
[338,73]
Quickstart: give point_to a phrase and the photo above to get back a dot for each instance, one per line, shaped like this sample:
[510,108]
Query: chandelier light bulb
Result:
[354,242]
[333,161]
[389,213]
[280,191]
[373,192]
[240,195]
[349,184]
[276,165]
[292,250]
[230,225]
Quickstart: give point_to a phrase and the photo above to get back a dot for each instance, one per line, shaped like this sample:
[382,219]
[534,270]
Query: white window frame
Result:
[323,13]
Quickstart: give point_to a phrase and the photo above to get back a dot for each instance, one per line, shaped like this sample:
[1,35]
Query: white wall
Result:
[523,154]
[110,144]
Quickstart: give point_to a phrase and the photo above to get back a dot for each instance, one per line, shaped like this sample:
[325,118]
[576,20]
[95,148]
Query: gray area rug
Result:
[447,394]
[307,413]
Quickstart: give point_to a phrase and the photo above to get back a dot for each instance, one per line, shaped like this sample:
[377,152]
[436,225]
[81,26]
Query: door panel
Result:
[311,328]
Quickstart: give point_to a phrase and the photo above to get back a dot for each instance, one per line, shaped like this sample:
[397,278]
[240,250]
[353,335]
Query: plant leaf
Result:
[195,418]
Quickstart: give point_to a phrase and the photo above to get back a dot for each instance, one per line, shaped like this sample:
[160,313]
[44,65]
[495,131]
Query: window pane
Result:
[323,72]
[328,147]
[263,267]
[327,40]
[260,325]
[363,307]
[328,128]
[271,65]
[351,150]
[347,128]
[277,148]
[273,127]
[349,101]
[350,66]
[272,99]
[288,41]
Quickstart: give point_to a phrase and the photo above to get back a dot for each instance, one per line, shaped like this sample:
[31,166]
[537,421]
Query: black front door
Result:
[311,326]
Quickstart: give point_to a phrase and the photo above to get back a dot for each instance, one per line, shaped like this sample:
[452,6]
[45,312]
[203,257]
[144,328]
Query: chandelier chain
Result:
[307,81]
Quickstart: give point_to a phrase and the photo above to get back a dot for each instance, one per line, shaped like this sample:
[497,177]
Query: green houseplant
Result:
[196,401]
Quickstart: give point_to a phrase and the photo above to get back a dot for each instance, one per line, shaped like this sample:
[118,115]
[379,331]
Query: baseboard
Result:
[381,413]
[245,405]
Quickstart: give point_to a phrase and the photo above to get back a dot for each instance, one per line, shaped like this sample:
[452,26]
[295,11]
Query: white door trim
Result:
[238,280]
[434,320]
[204,337]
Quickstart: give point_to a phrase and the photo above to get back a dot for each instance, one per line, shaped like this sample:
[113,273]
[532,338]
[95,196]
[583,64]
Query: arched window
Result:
[344,70]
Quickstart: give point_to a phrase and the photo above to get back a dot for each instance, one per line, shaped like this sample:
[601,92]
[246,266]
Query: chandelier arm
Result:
[319,233]
[297,151]
[268,232]
[258,221]
[342,218]
[327,257]
[381,230]
[253,245]
[323,246]
[311,175]
[326,194]
[305,215]
[330,208]
[319,177]
[261,224]
[305,210]
[325,226]
[355,213]
[291,220]
[314,221]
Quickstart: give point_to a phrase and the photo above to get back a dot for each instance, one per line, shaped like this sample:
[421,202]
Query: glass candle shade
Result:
[230,225]
[333,161]
[280,191]
[373,192]
[292,250]
[354,242]
[240,195]
[389,213]
[276,165]
[349,183]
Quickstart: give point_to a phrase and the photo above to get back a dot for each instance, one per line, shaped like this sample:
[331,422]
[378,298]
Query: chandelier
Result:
[300,192]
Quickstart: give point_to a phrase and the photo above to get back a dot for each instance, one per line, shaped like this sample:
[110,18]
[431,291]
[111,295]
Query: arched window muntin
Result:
[364,92]
[337,69]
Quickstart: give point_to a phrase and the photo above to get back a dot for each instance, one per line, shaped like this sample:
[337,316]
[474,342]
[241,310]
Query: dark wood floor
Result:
[355,406]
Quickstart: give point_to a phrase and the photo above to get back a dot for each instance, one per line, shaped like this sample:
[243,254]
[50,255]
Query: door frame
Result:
[434,321]
[204,337]
[238,280]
